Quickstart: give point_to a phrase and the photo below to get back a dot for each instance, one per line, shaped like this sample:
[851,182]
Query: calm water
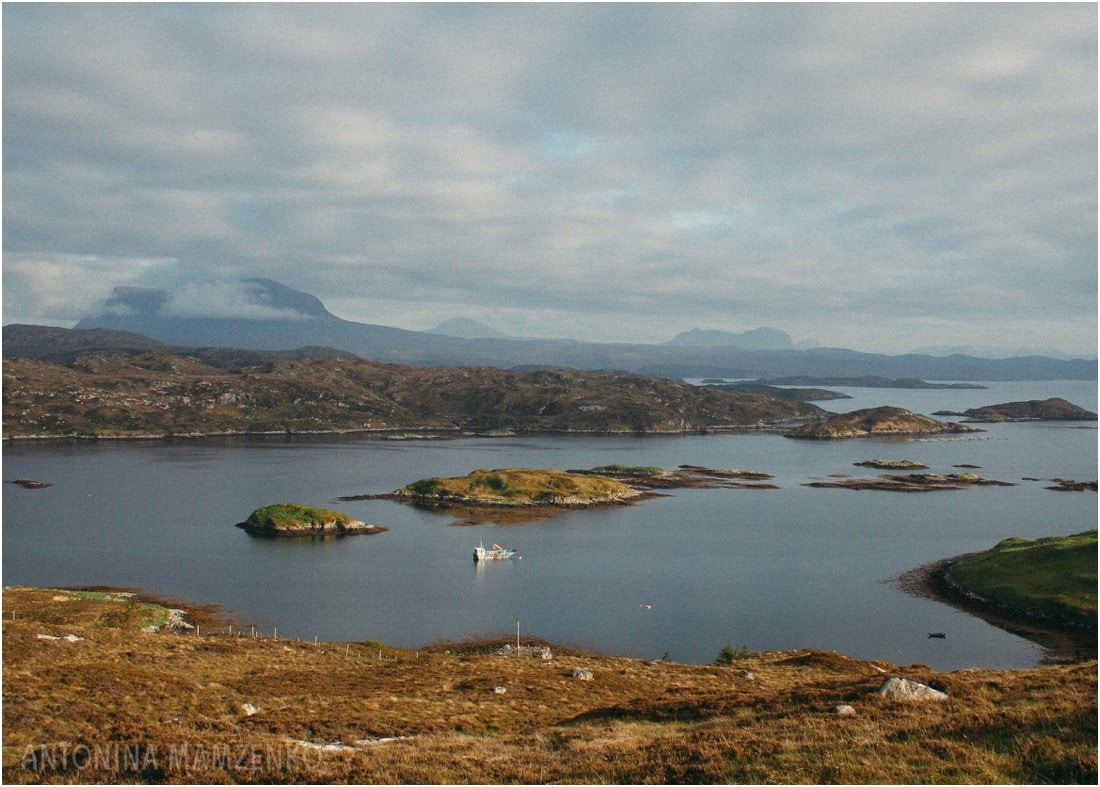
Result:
[686,574]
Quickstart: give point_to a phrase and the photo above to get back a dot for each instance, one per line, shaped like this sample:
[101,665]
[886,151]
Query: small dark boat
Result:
[937,635]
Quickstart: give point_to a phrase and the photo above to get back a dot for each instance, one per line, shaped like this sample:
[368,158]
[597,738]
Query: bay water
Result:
[681,575]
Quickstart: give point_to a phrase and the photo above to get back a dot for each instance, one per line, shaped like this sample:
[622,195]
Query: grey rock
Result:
[177,621]
[910,690]
[844,710]
[582,674]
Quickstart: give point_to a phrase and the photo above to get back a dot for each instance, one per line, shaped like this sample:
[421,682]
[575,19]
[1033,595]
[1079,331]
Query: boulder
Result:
[910,690]
[844,710]
[582,674]
[177,621]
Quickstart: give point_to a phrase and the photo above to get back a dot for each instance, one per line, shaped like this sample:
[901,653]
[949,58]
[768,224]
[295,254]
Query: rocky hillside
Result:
[166,394]
[876,421]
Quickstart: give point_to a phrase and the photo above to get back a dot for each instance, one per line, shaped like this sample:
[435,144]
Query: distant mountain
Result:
[262,314]
[65,345]
[756,339]
[997,352]
[259,314]
[464,328]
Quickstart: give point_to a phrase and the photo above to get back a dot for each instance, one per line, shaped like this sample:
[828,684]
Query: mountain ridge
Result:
[257,328]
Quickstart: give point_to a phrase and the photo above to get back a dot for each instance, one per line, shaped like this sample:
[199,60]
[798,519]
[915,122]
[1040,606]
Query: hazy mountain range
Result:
[261,314]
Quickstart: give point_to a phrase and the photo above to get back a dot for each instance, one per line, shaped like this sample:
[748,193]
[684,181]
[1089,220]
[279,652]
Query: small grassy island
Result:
[514,495]
[876,422]
[1048,581]
[294,519]
[521,487]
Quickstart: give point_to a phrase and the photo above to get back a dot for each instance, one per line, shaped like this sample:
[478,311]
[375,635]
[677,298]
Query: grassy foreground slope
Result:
[1051,579]
[124,705]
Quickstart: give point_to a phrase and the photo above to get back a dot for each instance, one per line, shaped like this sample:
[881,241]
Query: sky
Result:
[881,177]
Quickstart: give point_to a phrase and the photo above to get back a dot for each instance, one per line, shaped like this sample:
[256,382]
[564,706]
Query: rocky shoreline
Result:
[1063,640]
[413,433]
[296,521]
[549,502]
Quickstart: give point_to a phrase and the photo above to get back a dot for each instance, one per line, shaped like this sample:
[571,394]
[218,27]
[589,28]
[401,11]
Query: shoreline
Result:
[410,433]
[1061,643]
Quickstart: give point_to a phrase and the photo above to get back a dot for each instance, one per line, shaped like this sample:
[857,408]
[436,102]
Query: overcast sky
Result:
[880,177]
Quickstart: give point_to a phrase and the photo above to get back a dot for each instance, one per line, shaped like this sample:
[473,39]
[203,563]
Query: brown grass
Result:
[126,706]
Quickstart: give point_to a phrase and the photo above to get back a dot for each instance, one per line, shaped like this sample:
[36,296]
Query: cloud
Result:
[59,289]
[849,172]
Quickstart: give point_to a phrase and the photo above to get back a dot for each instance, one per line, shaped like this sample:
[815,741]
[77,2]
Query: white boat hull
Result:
[496,553]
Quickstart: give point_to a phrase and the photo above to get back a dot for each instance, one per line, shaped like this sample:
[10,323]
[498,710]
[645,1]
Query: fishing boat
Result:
[497,552]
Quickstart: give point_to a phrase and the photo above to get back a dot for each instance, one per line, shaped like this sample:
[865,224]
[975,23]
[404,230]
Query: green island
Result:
[515,495]
[1046,581]
[521,487]
[90,698]
[295,519]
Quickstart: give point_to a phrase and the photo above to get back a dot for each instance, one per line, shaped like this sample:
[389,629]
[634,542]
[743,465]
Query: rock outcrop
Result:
[910,482]
[892,464]
[910,691]
[293,519]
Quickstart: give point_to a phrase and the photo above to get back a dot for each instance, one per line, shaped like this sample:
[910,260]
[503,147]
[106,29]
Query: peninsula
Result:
[1053,409]
[877,422]
[868,381]
[1044,589]
[777,392]
[294,519]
